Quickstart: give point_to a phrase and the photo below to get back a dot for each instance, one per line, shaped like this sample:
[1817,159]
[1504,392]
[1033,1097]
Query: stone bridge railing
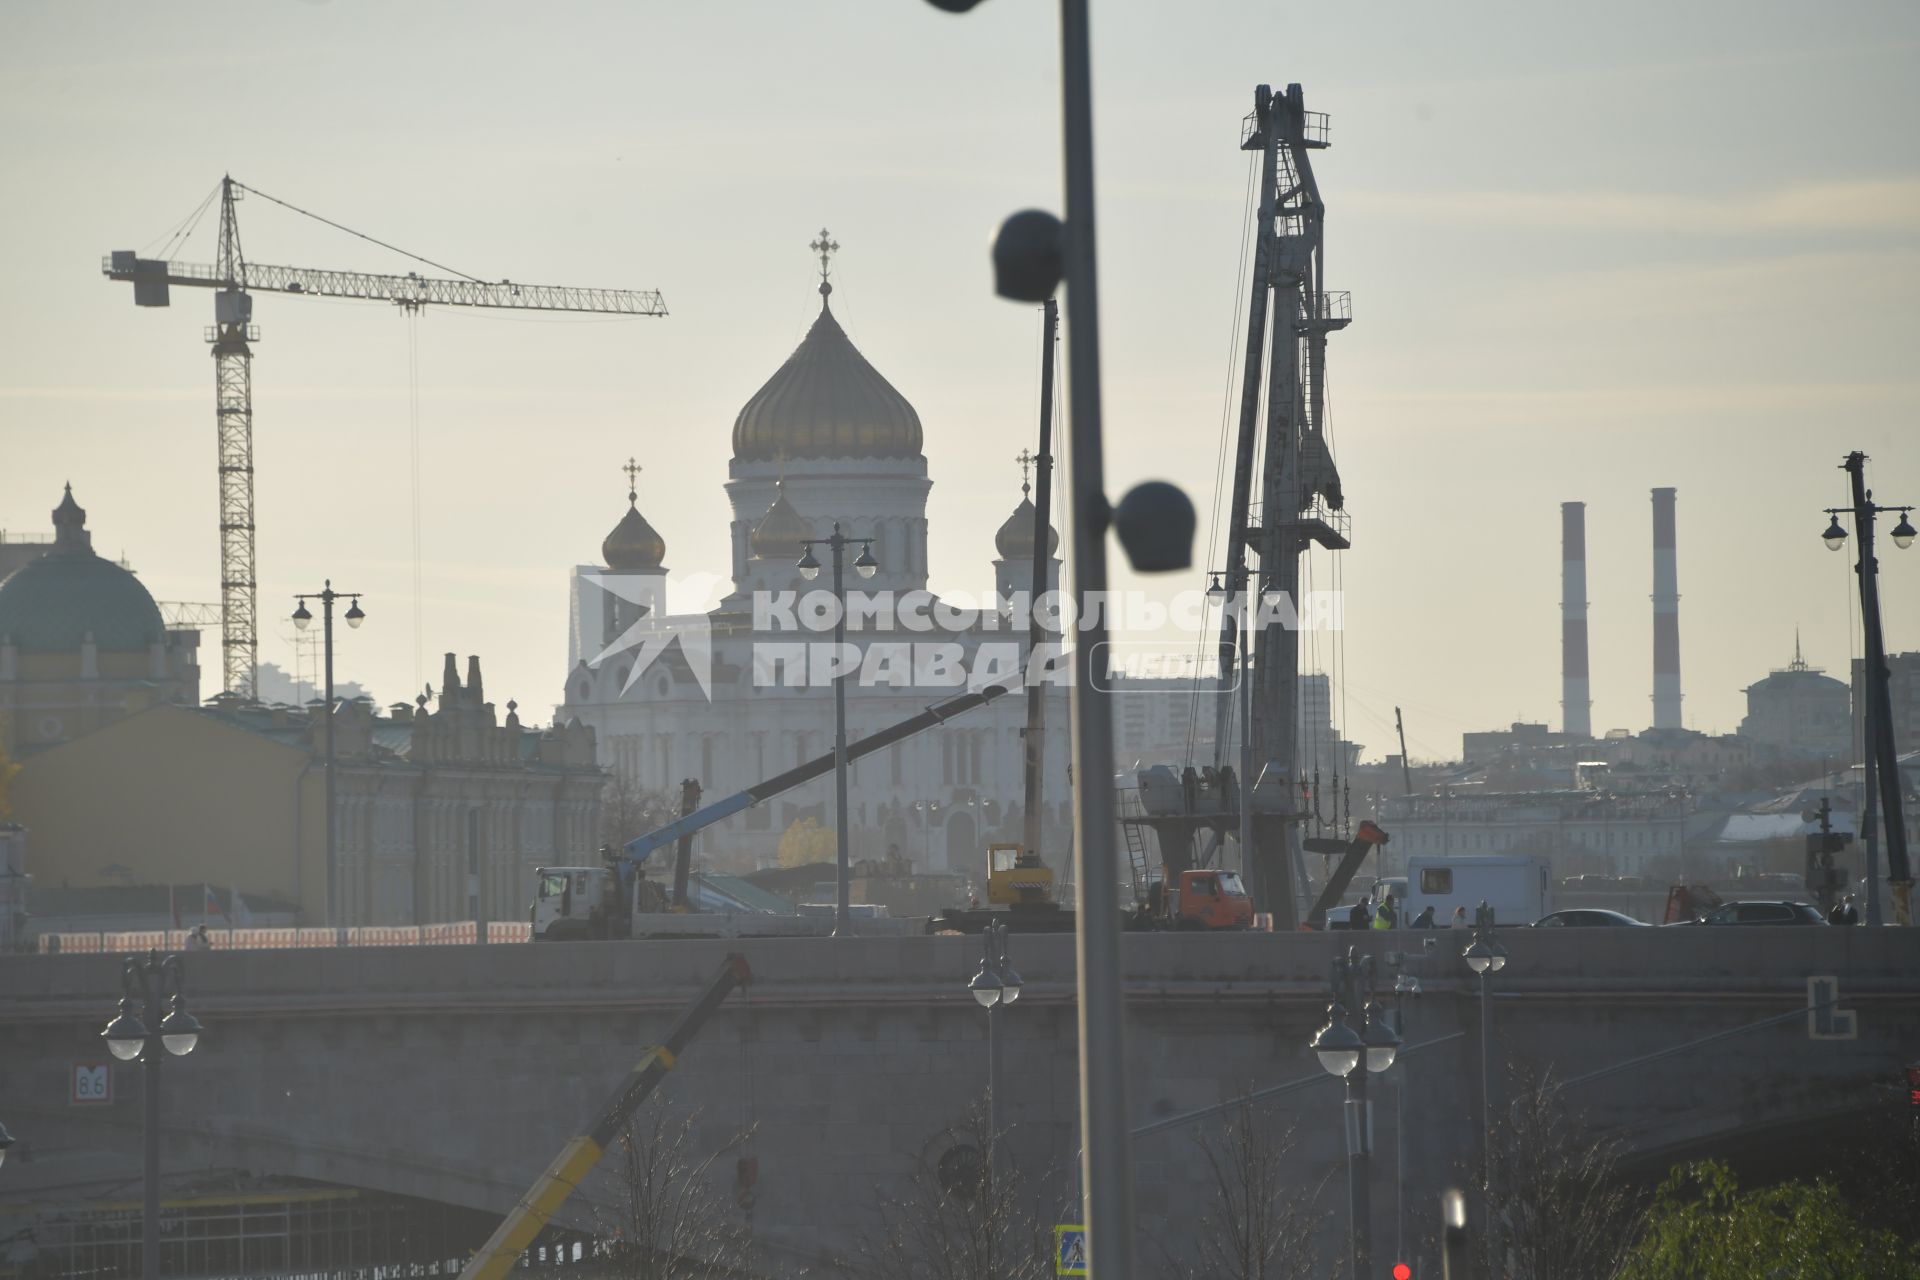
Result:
[455,1073]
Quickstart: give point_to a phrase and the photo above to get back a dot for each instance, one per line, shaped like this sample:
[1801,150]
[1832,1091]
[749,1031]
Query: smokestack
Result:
[1576,701]
[1666,616]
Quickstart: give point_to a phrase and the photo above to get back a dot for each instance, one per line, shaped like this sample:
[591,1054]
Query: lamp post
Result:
[1353,1055]
[809,567]
[995,986]
[1881,763]
[1485,955]
[139,1032]
[1404,984]
[303,618]
[1033,253]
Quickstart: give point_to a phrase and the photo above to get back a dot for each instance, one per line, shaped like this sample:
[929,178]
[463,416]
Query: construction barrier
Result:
[127,942]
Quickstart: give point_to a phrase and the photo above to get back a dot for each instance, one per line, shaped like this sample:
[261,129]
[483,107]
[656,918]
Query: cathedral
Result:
[826,442]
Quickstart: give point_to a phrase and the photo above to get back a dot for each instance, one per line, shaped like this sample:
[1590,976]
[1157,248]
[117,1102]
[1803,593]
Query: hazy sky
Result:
[1591,250]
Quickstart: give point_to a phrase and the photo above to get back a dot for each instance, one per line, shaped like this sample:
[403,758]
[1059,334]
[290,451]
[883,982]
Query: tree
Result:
[1562,1210]
[667,1220]
[1704,1227]
[7,769]
[961,1218]
[627,810]
[806,841]
[1256,1225]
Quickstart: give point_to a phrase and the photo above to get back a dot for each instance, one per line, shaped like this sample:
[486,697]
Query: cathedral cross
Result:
[633,470]
[1026,461]
[826,247]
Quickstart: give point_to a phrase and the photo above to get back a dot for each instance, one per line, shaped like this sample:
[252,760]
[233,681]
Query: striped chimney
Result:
[1666,615]
[1576,700]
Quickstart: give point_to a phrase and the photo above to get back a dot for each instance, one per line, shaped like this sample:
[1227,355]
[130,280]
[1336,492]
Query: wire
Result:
[438,266]
[413,437]
[181,229]
[1249,215]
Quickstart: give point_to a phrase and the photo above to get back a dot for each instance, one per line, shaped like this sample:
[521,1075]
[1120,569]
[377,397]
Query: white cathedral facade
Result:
[826,440]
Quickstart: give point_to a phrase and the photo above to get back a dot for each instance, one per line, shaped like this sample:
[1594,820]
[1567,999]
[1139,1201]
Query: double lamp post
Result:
[303,618]
[139,1032]
[866,566]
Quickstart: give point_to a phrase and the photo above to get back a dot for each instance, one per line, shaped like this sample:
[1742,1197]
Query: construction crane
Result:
[1290,314]
[233,334]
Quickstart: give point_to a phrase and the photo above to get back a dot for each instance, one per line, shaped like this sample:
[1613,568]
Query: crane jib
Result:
[639,849]
[151,278]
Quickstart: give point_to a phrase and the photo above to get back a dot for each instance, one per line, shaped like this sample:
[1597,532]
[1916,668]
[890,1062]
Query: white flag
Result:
[242,917]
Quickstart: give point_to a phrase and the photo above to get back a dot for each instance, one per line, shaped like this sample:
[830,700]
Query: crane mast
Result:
[1290,316]
[233,280]
[232,336]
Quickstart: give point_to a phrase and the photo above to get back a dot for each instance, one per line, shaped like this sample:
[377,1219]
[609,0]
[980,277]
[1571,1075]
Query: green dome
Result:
[50,605]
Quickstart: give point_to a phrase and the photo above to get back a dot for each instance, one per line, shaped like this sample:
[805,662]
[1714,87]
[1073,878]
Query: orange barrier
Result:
[458,933]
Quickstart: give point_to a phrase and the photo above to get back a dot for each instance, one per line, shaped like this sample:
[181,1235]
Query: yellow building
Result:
[441,815]
[82,644]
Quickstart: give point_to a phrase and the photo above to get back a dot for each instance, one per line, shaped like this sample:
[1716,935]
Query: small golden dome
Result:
[1014,541]
[781,533]
[634,546]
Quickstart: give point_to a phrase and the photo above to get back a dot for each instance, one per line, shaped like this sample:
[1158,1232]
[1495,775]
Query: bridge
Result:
[452,1074]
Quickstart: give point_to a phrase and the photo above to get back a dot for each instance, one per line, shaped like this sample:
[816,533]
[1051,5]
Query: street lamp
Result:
[303,618]
[139,1032]
[1353,1055]
[1485,955]
[994,987]
[1882,757]
[1033,252]
[866,566]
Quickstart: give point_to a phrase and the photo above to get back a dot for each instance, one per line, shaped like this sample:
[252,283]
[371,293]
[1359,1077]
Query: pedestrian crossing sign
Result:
[1070,1250]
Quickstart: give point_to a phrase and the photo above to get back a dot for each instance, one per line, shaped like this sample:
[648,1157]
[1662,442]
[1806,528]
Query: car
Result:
[1586,918]
[1752,911]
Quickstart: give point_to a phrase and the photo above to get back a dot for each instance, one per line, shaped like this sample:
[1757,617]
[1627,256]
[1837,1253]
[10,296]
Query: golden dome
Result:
[781,532]
[1014,541]
[634,546]
[826,401]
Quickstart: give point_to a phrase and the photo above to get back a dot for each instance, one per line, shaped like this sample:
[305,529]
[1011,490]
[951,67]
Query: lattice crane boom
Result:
[407,290]
[231,336]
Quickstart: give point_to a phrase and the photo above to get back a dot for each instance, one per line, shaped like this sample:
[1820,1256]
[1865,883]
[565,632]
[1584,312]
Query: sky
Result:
[1591,251]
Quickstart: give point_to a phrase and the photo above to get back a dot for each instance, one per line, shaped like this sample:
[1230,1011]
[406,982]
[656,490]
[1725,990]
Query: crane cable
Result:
[305,213]
[1249,217]
[184,228]
[413,442]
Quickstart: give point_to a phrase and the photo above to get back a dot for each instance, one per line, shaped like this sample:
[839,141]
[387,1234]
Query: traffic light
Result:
[1913,1090]
[1401,1271]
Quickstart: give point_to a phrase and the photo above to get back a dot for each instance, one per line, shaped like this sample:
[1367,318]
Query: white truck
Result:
[1517,886]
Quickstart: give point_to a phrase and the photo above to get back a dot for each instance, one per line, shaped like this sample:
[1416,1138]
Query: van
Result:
[1516,886]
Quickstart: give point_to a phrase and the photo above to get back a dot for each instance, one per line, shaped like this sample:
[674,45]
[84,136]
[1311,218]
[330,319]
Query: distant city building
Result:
[1172,720]
[441,814]
[82,644]
[1577,830]
[17,550]
[1903,683]
[1798,710]
[1676,758]
[1488,745]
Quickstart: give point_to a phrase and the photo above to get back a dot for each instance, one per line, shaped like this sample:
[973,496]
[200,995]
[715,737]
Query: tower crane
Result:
[233,334]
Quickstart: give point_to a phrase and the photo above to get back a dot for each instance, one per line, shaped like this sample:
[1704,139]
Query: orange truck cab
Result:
[1212,900]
